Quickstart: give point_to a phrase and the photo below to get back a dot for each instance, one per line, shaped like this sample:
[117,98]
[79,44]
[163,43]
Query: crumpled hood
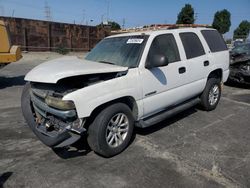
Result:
[54,70]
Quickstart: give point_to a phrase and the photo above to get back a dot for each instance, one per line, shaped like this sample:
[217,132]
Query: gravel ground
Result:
[192,149]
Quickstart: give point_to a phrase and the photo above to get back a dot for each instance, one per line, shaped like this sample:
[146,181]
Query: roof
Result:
[160,29]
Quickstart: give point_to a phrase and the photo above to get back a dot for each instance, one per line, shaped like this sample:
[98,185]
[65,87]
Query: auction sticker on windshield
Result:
[135,41]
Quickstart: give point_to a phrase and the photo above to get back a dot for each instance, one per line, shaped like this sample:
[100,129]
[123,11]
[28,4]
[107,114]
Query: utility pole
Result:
[108,9]
[123,23]
[83,16]
[1,9]
[13,13]
[47,12]
[102,18]
[195,16]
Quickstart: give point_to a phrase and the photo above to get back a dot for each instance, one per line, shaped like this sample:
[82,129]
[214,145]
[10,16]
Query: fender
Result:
[89,98]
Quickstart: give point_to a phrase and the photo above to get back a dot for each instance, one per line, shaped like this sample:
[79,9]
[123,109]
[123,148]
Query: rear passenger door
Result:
[218,53]
[196,63]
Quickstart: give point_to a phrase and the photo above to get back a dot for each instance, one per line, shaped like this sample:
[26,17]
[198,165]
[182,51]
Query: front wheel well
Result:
[128,100]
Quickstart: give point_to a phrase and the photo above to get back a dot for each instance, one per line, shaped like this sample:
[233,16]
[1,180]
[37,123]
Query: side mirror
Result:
[157,60]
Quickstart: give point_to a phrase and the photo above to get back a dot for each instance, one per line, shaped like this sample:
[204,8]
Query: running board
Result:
[143,123]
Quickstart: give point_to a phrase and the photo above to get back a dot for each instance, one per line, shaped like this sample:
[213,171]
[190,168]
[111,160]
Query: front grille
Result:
[38,100]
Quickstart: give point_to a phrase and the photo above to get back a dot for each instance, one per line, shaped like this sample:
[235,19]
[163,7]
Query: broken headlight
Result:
[59,103]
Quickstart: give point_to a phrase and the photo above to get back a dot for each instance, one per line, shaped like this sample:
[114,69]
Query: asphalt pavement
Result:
[193,149]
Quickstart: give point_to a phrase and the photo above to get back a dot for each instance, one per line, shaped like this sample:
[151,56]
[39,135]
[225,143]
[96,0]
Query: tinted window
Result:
[192,45]
[123,51]
[214,40]
[165,45]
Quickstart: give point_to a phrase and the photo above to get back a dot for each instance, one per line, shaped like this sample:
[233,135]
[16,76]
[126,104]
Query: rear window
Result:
[214,40]
[192,45]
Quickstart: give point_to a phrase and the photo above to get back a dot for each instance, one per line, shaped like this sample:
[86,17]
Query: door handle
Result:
[182,70]
[206,63]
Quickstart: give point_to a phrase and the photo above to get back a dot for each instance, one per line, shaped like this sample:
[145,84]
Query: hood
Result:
[54,70]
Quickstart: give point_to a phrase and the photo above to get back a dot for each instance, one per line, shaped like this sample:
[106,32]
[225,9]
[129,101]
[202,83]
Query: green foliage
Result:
[228,41]
[186,15]
[222,21]
[62,50]
[113,25]
[242,31]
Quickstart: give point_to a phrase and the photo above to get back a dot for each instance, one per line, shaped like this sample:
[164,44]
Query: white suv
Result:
[127,80]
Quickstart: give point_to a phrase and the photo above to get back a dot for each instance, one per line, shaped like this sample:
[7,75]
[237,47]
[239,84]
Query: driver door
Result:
[161,85]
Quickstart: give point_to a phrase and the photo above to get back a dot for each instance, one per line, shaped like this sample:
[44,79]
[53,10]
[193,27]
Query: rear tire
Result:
[211,94]
[111,130]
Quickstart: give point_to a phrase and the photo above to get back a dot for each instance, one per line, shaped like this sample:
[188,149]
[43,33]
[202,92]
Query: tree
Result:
[222,21]
[242,31]
[115,26]
[186,15]
[112,24]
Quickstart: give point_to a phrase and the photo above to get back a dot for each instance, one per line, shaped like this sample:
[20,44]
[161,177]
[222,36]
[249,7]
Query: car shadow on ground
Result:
[167,122]
[11,81]
[78,149]
[81,147]
[4,177]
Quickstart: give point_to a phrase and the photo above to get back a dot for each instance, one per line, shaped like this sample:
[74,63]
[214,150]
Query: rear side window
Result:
[192,45]
[165,44]
[214,40]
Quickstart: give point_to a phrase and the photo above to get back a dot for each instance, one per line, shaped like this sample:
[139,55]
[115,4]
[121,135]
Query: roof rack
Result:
[156,27]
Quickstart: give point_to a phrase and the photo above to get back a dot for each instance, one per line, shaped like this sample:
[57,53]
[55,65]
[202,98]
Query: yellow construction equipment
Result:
[8,53]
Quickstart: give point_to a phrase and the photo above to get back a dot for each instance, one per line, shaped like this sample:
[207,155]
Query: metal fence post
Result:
[49,36]
[25,39]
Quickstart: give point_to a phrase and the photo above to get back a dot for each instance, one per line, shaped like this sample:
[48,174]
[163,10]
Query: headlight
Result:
[59,103]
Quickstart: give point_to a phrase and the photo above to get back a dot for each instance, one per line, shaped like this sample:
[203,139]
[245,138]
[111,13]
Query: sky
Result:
[131,13]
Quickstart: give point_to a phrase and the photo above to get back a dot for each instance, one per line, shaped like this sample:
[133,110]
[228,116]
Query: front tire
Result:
[211,94]
[111,130]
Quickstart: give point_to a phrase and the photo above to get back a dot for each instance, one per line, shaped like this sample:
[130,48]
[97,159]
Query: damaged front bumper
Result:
[60,124]
[239,76]
[240,72]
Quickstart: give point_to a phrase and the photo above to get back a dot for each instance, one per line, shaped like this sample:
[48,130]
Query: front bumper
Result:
[61,126]
[240,76]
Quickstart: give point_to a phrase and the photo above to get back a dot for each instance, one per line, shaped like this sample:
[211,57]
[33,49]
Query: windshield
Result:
[243,48]
[122,51]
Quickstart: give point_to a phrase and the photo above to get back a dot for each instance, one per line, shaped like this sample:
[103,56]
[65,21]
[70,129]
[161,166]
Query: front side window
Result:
[164,45]
[122,51]
[192,45]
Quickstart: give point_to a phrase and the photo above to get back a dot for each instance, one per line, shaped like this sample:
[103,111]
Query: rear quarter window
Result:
[192,45]
[214,40]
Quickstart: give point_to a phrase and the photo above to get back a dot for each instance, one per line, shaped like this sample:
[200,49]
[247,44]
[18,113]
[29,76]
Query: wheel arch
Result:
[128,100]
[217,73]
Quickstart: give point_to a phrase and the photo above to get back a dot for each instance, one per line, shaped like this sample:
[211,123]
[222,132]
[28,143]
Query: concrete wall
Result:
[36,35]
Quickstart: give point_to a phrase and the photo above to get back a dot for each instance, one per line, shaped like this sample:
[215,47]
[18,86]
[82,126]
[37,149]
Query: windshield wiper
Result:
[106,62]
